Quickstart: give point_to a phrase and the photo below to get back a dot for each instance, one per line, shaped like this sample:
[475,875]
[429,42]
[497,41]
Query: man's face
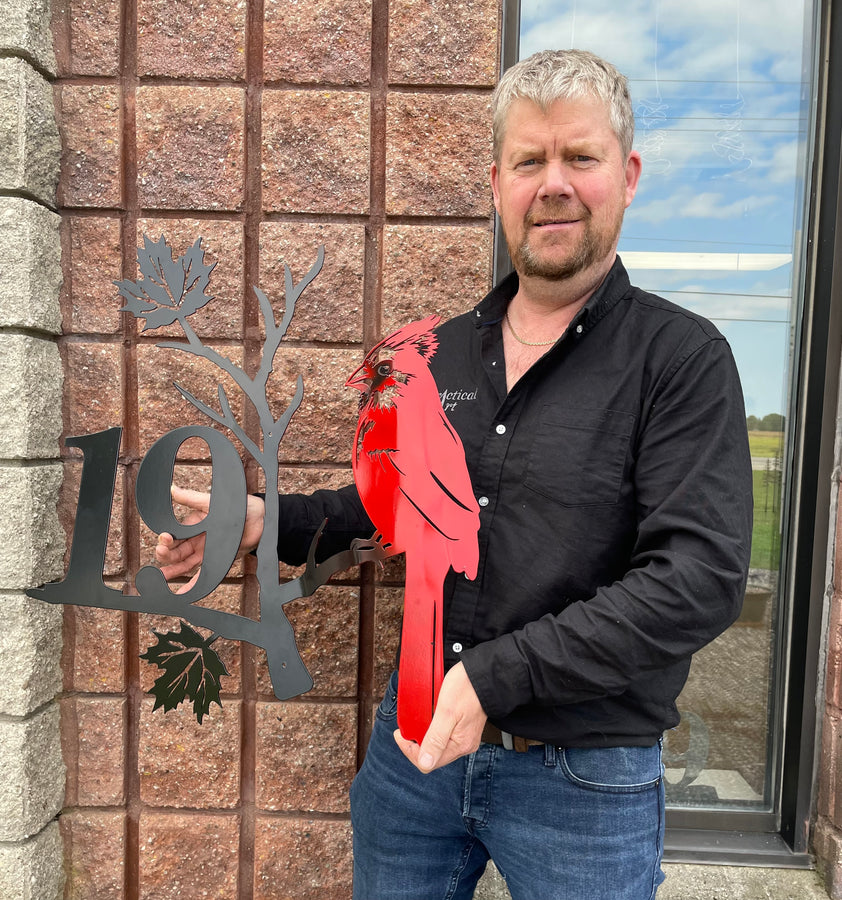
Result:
[561,187]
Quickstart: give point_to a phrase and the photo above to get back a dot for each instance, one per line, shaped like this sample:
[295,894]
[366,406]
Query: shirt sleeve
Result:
[301,515]
[688,568]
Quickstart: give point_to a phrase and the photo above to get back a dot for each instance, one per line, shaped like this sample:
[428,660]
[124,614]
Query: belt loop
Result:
[550,756]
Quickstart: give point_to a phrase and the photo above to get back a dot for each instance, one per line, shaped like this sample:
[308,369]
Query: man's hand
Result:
[456,728]
[178,558]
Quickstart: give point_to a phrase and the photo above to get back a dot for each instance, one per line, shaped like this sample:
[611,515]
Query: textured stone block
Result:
[184,764]
[492,885]
[163,408]
[443,43]
[30,654]
[31,539]
[222,242]
[837,574]
[322,430]
[94,846]
[331,308]
[306,756]
[95,650]
[87,37]
[316,151]
[317,41]
[30,397]
[188,855]
[190,147]
[438,154]
[89,300]
[191,39]
[302,859]
[93,731]
[830,790]
[93,392]
[90,159]
[833,683]
[29,139]
[32,787]
[30,265]
[387,632]
[34,869]
[432,269]
[326,633]
[25,29]
[827,845]
[707,882]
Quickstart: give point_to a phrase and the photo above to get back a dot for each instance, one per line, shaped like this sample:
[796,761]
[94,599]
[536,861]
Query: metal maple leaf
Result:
[192,670]
[169,289]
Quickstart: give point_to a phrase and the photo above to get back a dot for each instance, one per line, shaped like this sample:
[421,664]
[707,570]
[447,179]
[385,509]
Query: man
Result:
[607,449]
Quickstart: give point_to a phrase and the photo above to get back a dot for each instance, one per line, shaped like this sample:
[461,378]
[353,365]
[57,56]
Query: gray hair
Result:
[551,75]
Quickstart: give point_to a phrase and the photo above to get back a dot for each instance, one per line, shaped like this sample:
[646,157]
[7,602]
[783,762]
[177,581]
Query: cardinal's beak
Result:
[358,380]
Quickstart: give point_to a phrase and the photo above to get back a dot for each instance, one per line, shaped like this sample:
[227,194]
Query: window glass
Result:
[723,99]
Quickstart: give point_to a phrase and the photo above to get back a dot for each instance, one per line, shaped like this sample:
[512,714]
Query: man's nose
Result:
[556,181]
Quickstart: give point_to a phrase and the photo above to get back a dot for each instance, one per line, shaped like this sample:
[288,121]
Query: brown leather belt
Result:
[491,734]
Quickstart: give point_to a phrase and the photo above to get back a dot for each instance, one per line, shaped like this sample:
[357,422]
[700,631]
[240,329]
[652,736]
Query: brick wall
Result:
[827,835]
[267,128]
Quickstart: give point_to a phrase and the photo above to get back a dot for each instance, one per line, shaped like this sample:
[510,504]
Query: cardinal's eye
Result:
[384,369]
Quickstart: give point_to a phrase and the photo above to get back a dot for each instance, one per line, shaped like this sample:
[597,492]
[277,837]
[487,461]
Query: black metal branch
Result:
[291,294]
[227,419]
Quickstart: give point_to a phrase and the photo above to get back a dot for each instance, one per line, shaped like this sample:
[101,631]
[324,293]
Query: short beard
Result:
[591,249]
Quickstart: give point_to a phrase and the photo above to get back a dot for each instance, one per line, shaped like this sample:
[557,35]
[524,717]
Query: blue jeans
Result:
[574,824]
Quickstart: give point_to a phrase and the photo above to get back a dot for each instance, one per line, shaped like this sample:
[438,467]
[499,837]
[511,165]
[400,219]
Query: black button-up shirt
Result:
[615,493]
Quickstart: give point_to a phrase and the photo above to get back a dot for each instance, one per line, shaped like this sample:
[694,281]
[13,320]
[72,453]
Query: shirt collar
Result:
[492,308]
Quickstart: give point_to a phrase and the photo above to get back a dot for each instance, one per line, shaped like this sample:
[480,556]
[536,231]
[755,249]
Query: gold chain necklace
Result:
[520,340]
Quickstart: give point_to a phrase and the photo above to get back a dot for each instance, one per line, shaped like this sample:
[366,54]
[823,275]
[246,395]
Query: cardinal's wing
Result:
[434,480]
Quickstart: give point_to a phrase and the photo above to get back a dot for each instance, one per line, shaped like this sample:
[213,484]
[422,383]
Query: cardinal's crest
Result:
[418,335]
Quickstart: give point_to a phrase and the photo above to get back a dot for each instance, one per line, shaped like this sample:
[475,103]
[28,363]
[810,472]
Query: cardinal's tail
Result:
[421,667]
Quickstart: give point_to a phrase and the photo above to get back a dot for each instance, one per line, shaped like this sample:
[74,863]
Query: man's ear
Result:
[495,185]
[634,166]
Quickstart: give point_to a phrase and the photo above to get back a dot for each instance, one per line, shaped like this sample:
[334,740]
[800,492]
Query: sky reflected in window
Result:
[722,100]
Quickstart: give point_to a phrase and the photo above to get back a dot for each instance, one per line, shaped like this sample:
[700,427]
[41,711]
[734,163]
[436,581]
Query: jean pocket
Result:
[388,709]
[617,770]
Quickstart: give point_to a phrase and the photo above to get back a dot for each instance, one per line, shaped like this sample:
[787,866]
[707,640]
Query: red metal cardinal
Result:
[409,467]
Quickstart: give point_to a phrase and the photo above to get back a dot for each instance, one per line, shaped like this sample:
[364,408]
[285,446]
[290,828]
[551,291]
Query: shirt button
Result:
[457,647]
[483,501]
[501,429]
[579,329]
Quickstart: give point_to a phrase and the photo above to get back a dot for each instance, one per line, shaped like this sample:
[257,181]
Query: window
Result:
[726,98]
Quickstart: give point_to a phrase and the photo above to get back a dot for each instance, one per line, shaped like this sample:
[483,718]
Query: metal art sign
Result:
[410,470]
[170,291]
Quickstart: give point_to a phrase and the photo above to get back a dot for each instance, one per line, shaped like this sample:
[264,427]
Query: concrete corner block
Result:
[492,886]
[33,869]
[30,265]
[32,787]
[30,398]
[30,654]
[30,149]
[32,541]
[25,29]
